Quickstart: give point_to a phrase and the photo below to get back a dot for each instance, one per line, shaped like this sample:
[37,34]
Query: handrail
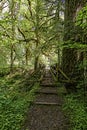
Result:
[60,70]
[54,77]
[68,80]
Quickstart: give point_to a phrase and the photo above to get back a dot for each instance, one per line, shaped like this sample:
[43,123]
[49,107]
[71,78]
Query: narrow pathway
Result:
[46,113]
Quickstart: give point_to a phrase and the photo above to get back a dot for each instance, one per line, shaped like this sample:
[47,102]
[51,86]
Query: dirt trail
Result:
[46,113]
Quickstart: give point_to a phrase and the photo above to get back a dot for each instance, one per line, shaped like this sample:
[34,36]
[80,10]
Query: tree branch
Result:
[21,33]
[29,3]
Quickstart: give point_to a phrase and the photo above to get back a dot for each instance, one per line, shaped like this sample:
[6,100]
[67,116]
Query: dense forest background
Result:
[38,33]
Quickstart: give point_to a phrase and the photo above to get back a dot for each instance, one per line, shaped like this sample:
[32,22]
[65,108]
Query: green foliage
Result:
[81,21]
[4,71]
[13,103]
[82,18]
[76,111]
[29,29]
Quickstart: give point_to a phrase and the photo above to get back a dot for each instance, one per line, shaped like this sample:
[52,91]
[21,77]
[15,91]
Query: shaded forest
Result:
[36,35]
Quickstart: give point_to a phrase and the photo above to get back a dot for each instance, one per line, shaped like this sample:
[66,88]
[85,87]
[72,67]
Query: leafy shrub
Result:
[77,112]
[4,71]
[13,104]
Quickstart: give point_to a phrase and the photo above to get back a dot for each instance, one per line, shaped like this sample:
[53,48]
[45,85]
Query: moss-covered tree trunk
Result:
[69,59]
[13,32]
[26,56]
[69,54]
[36,63]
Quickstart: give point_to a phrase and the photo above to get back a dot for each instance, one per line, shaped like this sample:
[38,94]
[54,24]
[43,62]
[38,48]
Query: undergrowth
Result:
[13,103]
[77,111]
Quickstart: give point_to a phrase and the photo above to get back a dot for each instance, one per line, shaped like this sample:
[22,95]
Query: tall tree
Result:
[69,60]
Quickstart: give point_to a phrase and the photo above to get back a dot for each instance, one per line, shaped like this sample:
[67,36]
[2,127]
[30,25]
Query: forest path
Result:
[46,113]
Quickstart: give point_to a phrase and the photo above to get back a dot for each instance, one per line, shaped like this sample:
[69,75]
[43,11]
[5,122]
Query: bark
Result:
[26,56]
[69,56]
[36,63]
[69,59]
[13,30]
[12,58]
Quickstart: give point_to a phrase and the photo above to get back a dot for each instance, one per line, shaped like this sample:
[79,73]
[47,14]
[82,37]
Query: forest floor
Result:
[46,112]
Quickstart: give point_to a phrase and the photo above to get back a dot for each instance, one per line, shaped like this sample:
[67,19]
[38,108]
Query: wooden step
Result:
[47,99]
[46,103]
[48,85]
[47,90]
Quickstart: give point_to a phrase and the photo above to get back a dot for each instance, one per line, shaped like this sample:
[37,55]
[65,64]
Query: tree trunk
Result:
[12,59]
[36,63]
[69,55]
[69,59]
[26,56]
[13,31]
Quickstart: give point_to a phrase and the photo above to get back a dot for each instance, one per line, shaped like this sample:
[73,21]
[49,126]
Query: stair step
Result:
[47,98]
[48,85]
[46,103]
[48,90]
